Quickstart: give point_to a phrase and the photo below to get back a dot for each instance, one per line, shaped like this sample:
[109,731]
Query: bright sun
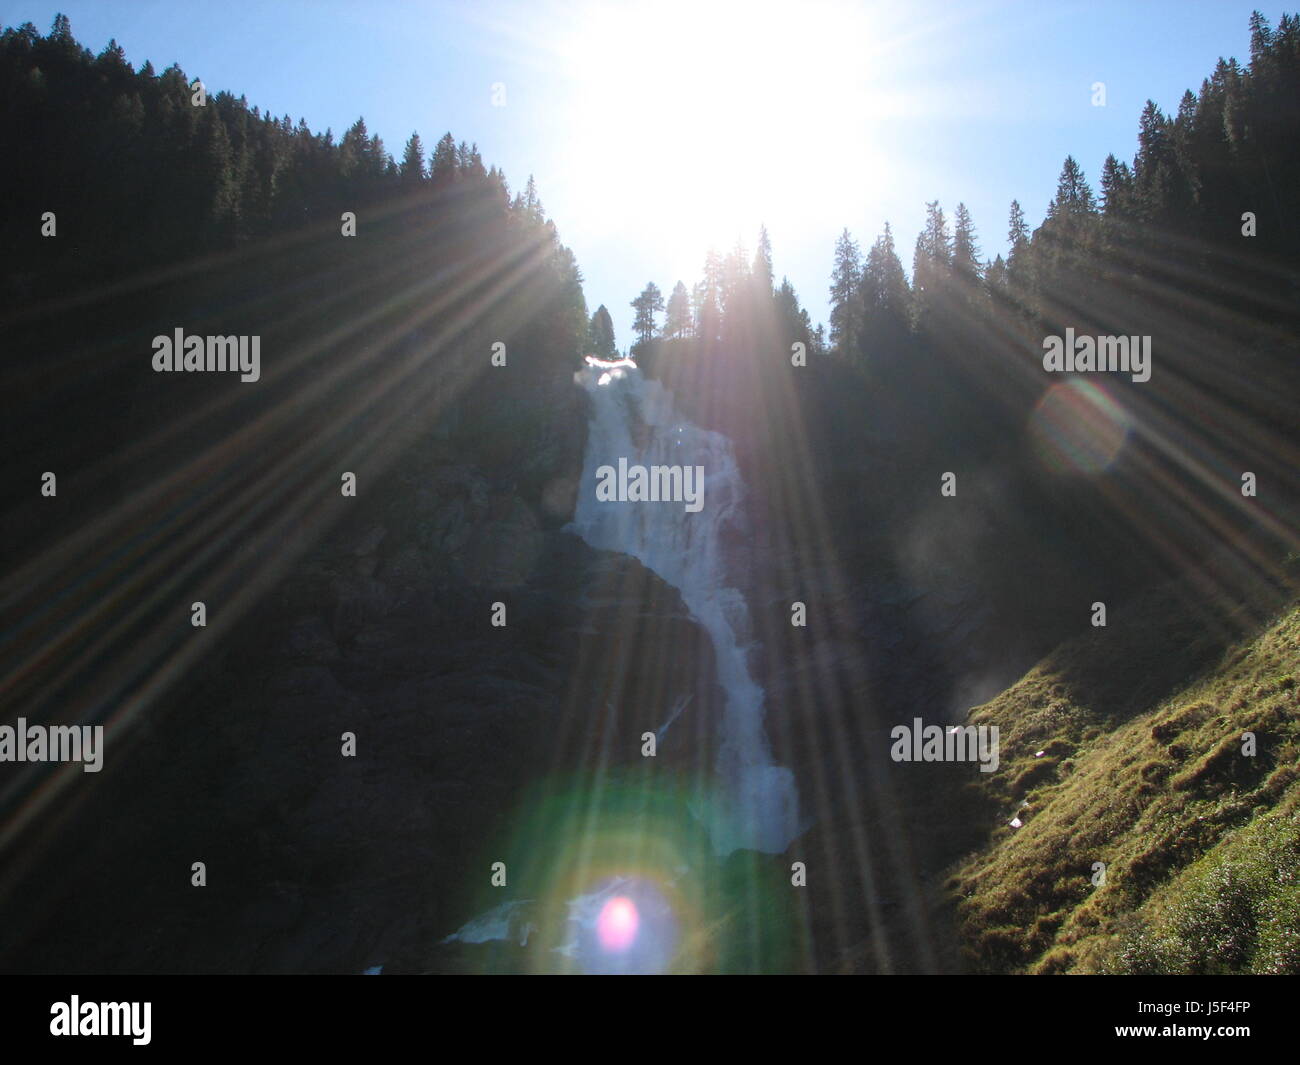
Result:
[713,116]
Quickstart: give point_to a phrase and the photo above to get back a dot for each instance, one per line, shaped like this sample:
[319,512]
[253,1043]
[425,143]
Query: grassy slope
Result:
[1140,727]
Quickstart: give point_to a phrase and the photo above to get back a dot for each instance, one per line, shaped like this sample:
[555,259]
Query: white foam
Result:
[636,419]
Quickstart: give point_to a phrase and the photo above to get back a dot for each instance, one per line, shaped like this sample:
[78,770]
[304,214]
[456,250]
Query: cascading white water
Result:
[634,419]
[755,804]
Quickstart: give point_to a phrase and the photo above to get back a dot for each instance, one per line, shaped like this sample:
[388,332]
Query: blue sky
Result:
[656,129]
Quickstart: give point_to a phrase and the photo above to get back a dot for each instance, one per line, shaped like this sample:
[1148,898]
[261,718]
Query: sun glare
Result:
[617,924]
[711,114]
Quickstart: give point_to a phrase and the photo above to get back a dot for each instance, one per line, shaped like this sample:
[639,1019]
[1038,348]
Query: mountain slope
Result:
[1126,747]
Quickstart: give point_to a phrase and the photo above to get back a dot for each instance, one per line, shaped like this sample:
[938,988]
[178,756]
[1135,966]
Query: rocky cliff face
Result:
[323,862]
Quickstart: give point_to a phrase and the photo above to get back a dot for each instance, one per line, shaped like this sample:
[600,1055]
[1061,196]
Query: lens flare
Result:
[619,875]
[1078,428]
[617,924]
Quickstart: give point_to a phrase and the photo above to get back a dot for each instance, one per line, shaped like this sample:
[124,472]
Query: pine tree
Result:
[413,172]
[677,322]
[884,284]
[846,279]
[112,60]
[442,164]
[793,322]
[1017,231]
[61,31]
[1261,38]
[601,334]
[886,299]
[378,161]
[965,249]
[932,259]
[1074,201]
[935,242]
[353,148]
[529,203]
[1116,187]
[1153,167]
[1185,179]
[1017,267]
[647,305]
[995,273]
[475,169]
[216,183]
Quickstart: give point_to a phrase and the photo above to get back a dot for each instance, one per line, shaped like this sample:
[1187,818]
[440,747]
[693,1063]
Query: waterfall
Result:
[633,419]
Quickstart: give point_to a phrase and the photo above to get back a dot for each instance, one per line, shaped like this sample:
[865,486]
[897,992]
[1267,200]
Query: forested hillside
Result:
[419,327]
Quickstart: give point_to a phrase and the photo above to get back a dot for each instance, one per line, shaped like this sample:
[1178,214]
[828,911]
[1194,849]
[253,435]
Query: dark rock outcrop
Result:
[382,636]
